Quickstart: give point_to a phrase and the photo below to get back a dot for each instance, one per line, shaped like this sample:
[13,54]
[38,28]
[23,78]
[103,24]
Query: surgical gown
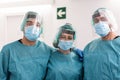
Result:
[64,67]
[102,60]
[21,62]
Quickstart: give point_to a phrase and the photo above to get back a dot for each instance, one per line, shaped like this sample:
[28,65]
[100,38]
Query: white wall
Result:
[13,30]
[78,13]
[2,30]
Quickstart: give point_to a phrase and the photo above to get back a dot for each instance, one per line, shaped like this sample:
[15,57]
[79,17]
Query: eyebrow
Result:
[29,21]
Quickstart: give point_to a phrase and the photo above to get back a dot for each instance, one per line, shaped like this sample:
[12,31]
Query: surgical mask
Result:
[65,45]
[102,28]
[32,33]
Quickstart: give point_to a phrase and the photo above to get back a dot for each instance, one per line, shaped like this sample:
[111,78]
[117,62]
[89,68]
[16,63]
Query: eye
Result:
[70,38]
[96,20]
[62,37]
[29,23]
[103,19]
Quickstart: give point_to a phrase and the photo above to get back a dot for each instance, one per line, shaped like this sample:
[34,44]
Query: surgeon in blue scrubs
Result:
[102,55]
[27,58]
[65,63]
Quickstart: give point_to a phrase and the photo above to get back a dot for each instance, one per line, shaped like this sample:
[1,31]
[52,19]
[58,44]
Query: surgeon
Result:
[65,63]
[26,58]
[102,55]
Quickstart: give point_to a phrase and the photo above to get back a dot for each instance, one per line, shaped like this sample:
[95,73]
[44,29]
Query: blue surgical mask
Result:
[65,45]
[102,28]
[32,33]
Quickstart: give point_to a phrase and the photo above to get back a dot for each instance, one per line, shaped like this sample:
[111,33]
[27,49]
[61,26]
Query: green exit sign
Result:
[61,13]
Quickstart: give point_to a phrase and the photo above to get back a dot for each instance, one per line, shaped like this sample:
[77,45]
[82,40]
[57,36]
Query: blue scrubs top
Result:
[64,66]
[21,62]
[102,60]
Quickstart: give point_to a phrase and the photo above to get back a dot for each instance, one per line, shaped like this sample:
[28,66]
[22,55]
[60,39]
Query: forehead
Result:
[100,18]
[98,15]
[66,34]
[31,19]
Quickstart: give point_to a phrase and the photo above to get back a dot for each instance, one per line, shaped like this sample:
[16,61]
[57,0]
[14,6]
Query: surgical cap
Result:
[108,14]
[67,28]
[31,14]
